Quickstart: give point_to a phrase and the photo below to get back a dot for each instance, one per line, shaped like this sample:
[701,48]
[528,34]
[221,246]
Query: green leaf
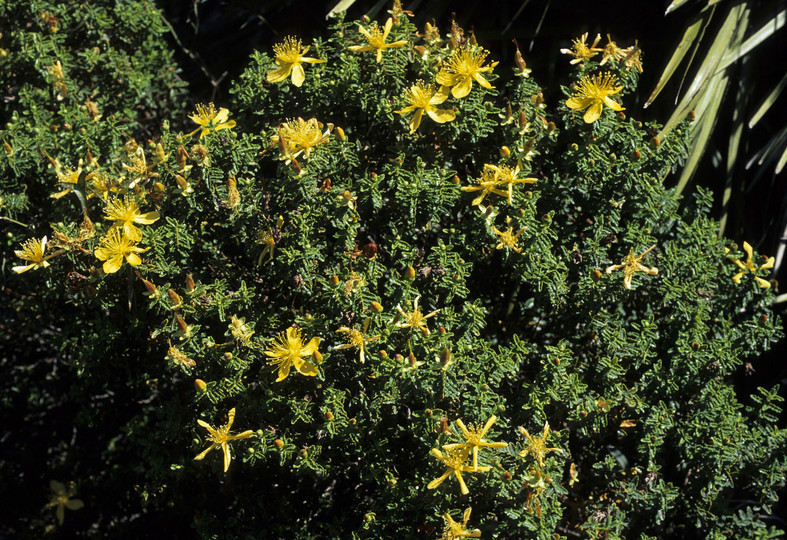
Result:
[766,104]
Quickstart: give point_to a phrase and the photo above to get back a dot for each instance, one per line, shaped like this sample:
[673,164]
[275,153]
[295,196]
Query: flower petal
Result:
[113,264]
[593,113]
[298,76]
[280,74]
[462,87]
[441,116]
[305,368]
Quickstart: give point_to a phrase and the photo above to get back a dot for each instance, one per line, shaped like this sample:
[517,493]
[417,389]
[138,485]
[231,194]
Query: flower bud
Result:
[190,283]
[317,357]
[409,273]
[200,385]
[176,299]
[376,307]
[278,443]
[334,280]
[340,134]
[505,151]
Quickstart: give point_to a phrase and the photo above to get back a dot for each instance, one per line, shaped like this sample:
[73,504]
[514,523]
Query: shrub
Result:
[384,285]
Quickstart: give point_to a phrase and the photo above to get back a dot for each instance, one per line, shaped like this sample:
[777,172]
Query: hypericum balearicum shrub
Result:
[425,290]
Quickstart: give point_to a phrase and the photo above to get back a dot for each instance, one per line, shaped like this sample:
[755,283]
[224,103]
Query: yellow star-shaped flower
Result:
[463,67]
[116,246]
[454,530]
[630,264]
[126,213]
[33,250]
[220,437]
[298,136]
[376,40]
[537,445]
[357,338]
[454,460]
[508,239]
[289,57]
[211,120]
[288,350]
[749,266]
[593,93]
[474,439]
[415,319]
[422,99]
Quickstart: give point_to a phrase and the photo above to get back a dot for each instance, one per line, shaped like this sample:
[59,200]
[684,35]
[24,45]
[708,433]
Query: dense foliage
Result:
[385,284]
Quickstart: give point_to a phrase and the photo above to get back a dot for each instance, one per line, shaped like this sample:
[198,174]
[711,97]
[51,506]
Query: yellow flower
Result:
[126,213]
[495,177]
[630,264]
[454,530]
[376,40]
[289,57]
[422,99]
[300,136]
[33,250]
[61,499]
[357,338]
[593,93]
[474,435]
[454,460]
[289,350]
[537,445]
[507,238]
[211,120]
[69,177]
[221,437]
[415,319]
[116,246]
[580,50]
[461,68]
[749,266]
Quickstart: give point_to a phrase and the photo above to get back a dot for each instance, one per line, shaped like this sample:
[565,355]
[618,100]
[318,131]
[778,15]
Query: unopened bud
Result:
[328,415]
[409,273]
[504,151]
[190,283]
[200,385]
[150,287]
[376,307]
[340,134]
[317,357]
[334,280]
[160,152]
[278,443]
[596,274]
[182,158]
[175,297]
[445,355]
